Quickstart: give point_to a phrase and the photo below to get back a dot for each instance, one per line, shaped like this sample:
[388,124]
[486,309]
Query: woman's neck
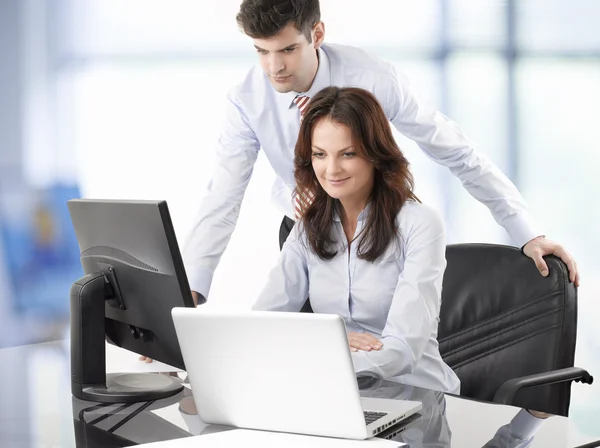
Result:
[352,209]
[349,213]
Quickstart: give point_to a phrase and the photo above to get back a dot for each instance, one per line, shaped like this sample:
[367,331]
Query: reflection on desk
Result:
[105,425]
[38,410]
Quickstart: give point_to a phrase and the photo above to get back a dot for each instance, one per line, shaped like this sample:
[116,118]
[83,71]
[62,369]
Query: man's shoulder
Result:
[355,60]
[354,67]
[252,83]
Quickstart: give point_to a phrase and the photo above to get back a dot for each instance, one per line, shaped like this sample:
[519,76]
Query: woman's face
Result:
[340,171]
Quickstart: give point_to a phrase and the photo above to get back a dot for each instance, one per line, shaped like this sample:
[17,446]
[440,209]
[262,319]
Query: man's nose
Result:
[275,64]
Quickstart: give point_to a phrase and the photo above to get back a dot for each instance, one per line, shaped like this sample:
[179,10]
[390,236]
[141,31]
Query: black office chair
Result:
[507,332]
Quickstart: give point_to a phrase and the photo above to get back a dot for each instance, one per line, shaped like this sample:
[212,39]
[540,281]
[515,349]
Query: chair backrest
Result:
[500,319]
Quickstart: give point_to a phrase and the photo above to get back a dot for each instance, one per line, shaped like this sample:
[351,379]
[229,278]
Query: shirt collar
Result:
[361,217]
[322,80]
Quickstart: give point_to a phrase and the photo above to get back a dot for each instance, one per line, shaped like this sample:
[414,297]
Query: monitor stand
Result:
[89,380]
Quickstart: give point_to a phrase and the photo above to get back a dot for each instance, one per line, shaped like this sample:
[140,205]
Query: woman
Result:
[365,247]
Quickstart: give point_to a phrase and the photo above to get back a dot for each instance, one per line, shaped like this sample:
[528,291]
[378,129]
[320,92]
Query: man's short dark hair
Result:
[263,19]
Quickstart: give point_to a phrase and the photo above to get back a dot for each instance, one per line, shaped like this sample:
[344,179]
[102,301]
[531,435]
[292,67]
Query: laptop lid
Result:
[277,371]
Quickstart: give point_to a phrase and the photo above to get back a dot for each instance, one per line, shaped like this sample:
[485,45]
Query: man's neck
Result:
[314,74]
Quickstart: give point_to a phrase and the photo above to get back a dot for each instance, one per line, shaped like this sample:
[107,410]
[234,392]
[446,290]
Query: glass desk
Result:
[38,410]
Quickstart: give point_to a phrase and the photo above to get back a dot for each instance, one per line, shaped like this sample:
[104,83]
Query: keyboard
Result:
[370,417]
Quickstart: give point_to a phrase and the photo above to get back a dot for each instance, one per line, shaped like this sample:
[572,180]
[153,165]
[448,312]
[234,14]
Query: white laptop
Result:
[277,371]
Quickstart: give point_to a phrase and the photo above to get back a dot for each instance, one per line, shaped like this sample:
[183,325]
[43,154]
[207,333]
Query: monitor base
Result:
[129,388]
[89,380]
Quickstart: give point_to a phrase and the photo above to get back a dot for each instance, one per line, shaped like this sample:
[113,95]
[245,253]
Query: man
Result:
[264,112]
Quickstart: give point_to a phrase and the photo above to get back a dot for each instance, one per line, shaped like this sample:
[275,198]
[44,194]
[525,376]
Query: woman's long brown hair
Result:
[372,139]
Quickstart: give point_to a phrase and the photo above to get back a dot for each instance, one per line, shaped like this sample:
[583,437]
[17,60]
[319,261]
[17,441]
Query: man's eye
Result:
[289,50]
[261,51]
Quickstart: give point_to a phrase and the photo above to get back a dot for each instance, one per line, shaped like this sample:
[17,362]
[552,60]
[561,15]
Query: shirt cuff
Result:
[524,425]
[522,228]
[200,280]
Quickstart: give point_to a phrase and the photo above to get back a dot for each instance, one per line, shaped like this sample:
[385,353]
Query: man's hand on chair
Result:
[540,246]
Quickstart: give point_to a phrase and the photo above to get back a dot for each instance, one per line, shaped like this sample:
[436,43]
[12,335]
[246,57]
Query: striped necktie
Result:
[301,102]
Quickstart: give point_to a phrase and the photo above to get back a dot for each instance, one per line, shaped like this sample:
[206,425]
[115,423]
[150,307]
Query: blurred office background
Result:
[125,99]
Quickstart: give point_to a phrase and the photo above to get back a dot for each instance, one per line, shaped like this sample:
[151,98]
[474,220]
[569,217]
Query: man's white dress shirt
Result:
[260,117]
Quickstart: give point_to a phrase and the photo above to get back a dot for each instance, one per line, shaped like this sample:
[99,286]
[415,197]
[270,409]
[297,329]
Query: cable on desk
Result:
[130,416]
[93,408]
[108,414]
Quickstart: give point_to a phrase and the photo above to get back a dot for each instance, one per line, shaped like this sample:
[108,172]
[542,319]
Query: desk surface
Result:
[38,410]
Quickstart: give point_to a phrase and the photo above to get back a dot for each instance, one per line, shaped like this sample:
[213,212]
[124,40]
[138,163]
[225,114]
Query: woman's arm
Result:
[414,312]
[287,285]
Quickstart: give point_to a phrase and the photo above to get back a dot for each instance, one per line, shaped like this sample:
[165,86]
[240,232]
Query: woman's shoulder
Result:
[415,214]
[297,239]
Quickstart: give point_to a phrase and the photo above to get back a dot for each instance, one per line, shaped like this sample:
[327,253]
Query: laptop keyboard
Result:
[370,417]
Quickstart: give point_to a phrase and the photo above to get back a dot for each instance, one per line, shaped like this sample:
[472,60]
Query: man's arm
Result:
[237,151]
[442,141]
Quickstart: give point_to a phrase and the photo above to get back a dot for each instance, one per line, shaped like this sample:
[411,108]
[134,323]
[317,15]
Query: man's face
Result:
[288,59]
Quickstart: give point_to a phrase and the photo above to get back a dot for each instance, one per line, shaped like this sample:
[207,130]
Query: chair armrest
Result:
[506,393]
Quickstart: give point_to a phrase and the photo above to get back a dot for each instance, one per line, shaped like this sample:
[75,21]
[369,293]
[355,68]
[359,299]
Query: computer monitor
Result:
[134,277]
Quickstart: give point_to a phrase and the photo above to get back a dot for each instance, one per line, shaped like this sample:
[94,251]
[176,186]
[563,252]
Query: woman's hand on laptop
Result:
[363,341]
[145,359]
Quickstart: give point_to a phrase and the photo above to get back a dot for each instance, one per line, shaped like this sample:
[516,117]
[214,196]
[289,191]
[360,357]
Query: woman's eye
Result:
[349,154]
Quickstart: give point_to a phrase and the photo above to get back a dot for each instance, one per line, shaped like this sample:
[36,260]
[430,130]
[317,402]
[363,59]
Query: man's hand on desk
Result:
[196,297]
[540,246]
[363,341]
